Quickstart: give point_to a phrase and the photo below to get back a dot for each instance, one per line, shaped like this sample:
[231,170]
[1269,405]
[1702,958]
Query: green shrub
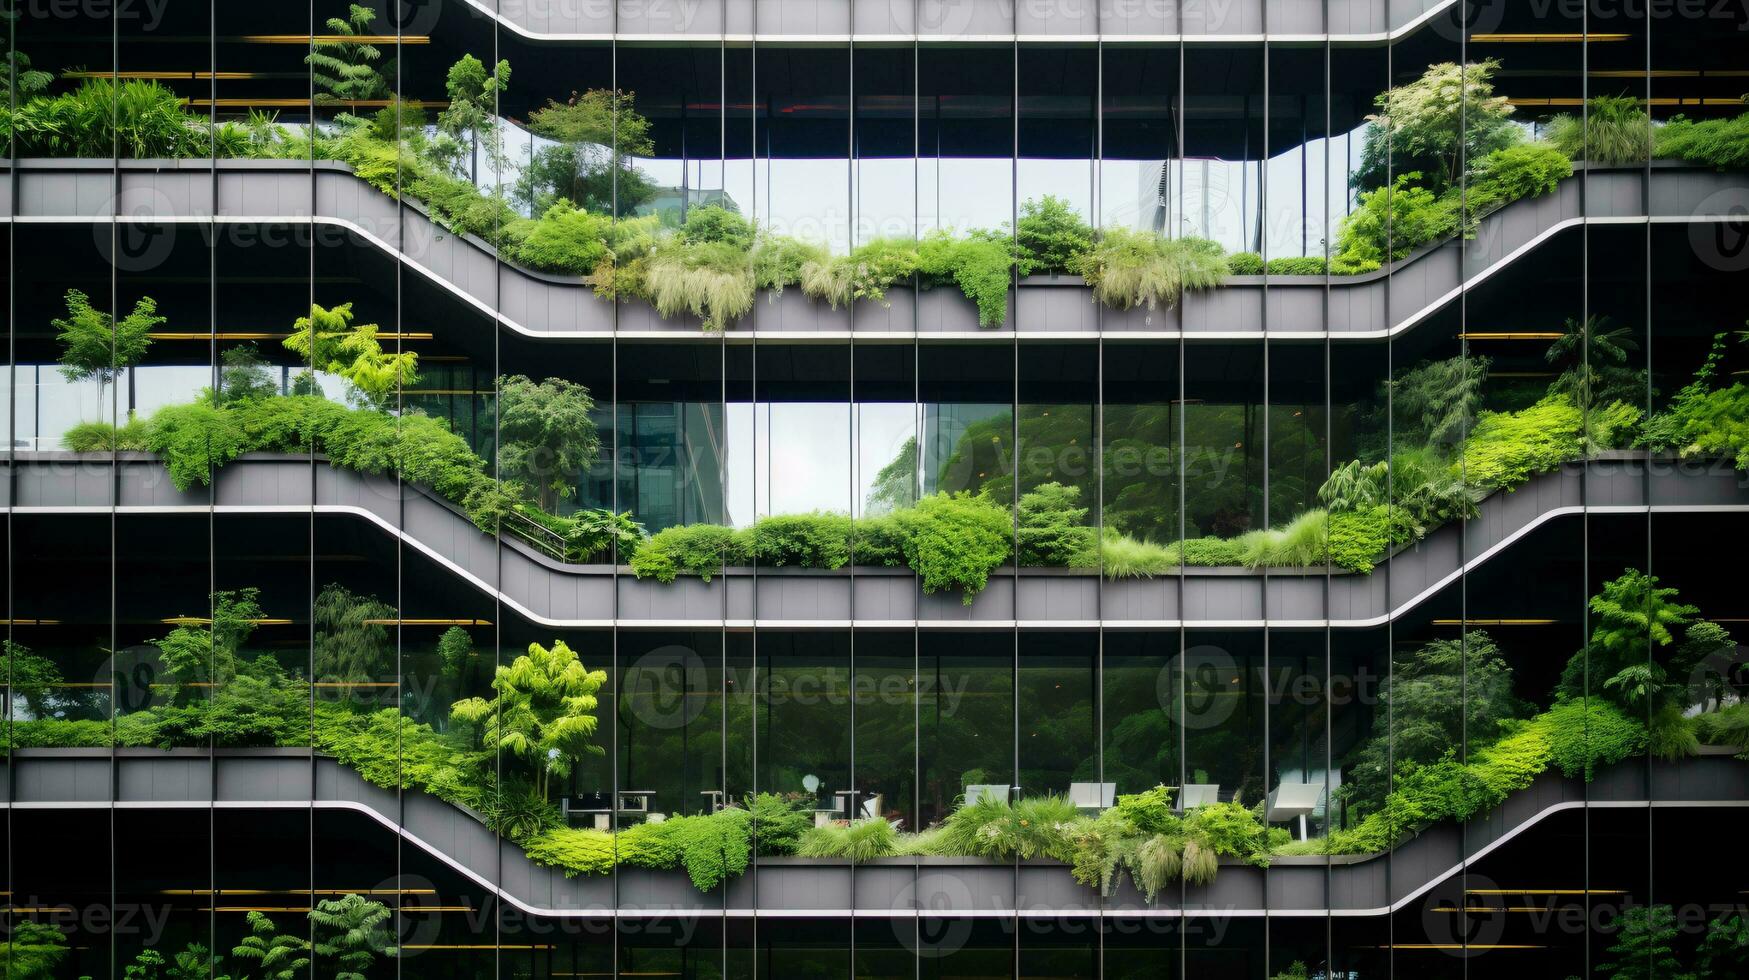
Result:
[136,119]
[1303,542]
[1358,538]
[1706,417]
[1050,235]
[1127,269]
[953,541]
[778,823]
[1389,223]
[1121,556]
[866,273]
[981,266]
[814,540]
[195,440]
[1209,552]
[1587,733]
[1245,264]
[709,279]
[858,840]
[780,261]
[1614,130]
[1298,265]
[91,437]
[578,850]
[564,239]
[1507,448]
[689,549]
[1504,176]
[1051,531]
[591,535]
[1720,143]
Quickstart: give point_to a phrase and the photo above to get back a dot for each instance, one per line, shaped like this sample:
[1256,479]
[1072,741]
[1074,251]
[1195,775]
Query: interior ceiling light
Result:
[304,102]
[202,621]
[427,622]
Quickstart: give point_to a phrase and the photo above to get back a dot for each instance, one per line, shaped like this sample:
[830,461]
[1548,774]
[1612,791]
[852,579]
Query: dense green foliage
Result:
[1615,129]
[1130,268]
[1710,415]
[98,345]
[544,711]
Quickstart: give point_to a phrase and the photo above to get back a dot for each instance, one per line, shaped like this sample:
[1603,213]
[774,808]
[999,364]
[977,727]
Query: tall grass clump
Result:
[1131,268]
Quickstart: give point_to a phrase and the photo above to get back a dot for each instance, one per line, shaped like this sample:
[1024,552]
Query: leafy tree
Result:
[1593,359]
[351,932]
[1446,693]
[276,955]
[194,962]
[1437,401]
[544,711]
[352,642]
[244,376]
[1724,950]
[1634,618]
[473,110]
[31,950]
[19,77]
[328,341]
[546,436]
[455,650]
[1645,946]
[895,485]
[344,68]
[199,651]
[30,679]
[598,132]
[98,346]
[1434,124]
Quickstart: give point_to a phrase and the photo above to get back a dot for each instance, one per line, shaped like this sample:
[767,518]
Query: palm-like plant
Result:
[344,68]
[351,932]
[544,711]
[277,955]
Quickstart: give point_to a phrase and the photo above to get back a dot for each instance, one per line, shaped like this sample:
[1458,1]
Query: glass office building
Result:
[877,488]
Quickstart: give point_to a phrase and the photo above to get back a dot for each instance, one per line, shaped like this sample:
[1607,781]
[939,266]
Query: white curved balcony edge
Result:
[580,596]
[538,305]
[1344,885]
[994,21]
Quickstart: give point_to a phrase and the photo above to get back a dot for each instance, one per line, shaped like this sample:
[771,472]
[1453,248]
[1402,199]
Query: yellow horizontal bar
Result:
[30,622]
[305,103]
[427,622]
[1511,335]
[223,76]
[202,621]
[1532,38]
[336,39]
[260,335]
[1495,622]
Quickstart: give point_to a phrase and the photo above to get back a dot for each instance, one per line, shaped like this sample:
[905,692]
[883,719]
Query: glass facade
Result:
[874,489]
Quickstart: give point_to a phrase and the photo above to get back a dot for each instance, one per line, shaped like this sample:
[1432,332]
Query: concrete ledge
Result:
[1342,885]
[555,594]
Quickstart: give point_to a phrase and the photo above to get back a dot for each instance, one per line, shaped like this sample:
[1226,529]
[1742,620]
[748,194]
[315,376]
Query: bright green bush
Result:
[780,261]
[981,266]
[1587,733]
[1358,538]
[1390,223]
[814,540]
[196,440]
[1052,530]
[92,437]
[1506,175]
[1127,269]
[1298,265]
[578,850]
[1245,264]
[858,840]
[1209,552]
[689,549]
[1614,130]
[711,280]
[1121,556]
[1721,143]
[136,119]
[592,535]
[779,824]
[866,273]
[1049,235]
[564,239]
[1706,417]
[953,541]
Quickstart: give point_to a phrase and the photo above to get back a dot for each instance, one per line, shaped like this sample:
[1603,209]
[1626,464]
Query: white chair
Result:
[978,791]
[872,806]
[1193,795]
[1093,796]
[1291,800]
